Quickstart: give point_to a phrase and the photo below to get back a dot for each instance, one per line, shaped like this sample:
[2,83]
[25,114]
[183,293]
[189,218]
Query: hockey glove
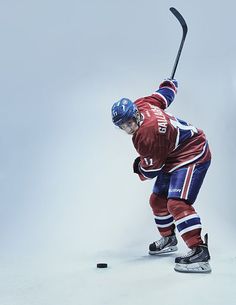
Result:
[136,166]
[170,83]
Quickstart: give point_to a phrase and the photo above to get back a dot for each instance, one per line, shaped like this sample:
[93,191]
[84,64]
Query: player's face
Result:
[130,127]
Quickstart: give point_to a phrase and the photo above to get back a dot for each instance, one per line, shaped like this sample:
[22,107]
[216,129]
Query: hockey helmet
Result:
[124,110]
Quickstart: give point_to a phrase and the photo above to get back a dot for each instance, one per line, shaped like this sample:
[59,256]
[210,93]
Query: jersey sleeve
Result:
[153,151]
[165,95]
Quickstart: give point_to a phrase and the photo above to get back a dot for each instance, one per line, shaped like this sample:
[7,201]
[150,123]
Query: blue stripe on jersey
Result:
[168,93]
[188,223]
[164,221]
[184,134]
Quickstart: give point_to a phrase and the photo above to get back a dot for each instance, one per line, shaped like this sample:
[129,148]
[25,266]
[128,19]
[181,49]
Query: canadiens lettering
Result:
[161,120]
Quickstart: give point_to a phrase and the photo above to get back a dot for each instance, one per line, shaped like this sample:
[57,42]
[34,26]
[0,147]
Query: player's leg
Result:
[163,219]
[185,184]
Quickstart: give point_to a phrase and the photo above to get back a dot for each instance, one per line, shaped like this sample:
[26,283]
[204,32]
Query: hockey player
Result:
[177,155]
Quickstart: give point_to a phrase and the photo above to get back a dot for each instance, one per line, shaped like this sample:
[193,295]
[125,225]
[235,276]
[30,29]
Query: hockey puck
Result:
[102,265]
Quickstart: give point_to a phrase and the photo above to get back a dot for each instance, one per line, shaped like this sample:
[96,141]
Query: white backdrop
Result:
[67,186]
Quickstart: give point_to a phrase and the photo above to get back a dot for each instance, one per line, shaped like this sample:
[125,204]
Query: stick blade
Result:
[180,18]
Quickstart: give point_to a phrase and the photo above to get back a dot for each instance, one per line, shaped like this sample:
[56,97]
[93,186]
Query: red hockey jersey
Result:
[163,141]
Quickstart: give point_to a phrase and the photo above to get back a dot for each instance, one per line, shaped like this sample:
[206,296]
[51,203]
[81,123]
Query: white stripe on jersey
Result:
[177,139]
[152,170]
[189,161]
[162,96]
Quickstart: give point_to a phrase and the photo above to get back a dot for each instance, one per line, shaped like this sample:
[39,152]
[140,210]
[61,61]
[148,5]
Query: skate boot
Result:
[164,245]
[196,261]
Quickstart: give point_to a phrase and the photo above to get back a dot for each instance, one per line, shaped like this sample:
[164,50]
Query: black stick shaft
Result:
[185,30]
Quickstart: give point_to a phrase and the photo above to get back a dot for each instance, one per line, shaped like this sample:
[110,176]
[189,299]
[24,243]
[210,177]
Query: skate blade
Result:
[165,250]
[201,267]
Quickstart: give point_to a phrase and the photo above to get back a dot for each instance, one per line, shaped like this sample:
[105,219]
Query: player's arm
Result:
[147,168]
[165,95]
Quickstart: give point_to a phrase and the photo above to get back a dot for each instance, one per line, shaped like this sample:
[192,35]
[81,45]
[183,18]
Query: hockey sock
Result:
[163,219]
[187,221]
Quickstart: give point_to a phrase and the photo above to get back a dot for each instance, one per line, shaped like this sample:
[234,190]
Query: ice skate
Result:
[166,244]
[196,261]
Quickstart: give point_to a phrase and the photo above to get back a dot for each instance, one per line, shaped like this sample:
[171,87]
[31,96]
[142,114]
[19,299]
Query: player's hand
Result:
[136,165]
[169,81]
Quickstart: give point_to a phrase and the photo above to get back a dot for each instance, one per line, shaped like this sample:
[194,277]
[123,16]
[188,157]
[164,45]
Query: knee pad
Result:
[179,208]
[158,204]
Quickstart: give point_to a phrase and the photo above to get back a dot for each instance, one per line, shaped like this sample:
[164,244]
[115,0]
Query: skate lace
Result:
[161,242]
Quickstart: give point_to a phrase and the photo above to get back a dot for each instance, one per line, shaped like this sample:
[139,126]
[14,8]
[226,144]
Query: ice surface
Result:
[131,278]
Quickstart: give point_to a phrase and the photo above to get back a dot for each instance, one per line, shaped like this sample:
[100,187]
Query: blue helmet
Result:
[123,110]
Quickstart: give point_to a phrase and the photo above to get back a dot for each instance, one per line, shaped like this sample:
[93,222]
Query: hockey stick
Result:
[185,30]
